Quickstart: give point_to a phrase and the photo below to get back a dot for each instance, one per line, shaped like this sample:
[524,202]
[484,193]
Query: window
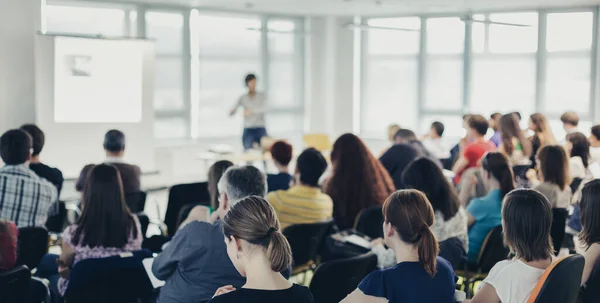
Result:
[170,101]
[569,32]
[445,36]
[390,74]
[521,37]
[88,21]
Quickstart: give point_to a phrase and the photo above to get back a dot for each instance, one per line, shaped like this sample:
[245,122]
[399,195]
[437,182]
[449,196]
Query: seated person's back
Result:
[114,146]
[25,198]
[281,152]
[475,149]
[195,263]
[54,175]
[305,202]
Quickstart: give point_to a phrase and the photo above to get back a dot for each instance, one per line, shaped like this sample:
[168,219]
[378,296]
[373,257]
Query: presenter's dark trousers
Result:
[253,135]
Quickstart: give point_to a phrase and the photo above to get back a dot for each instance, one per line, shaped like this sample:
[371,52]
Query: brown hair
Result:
[281,152]
[358,180]
[590,213]
[554,165]
[509,128]
[479,123]
[570,118]
[542,129]
[253,219]
[581,147]
[498,166]
[9,228]
[215,172]
[411,215]
[527,217]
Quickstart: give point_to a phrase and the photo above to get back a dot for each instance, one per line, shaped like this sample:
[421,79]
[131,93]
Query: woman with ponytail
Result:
[485,213]
[419,275]
[259,252]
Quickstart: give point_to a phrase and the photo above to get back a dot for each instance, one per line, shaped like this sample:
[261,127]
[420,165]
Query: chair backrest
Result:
[453,250]
[369,222]
[14,284]
[136,201]
[334,280]
[320,142]
[183,194]
[591,292]
[32,246]
[560,282]
[492,250]
[112,279]
[575,183]
[557,231]
[305,240]
[144,223]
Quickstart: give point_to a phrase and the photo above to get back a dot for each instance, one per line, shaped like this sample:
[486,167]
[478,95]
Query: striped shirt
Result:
[25,198]
[301,205]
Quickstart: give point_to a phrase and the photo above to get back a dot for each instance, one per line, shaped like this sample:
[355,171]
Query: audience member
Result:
[215,172]
[434,142]
[590,221]
[578,147]
[8,245]
[419,276]
[570,121]
[391,132]
[553,166]
[514,144]
[485,213]
[106,228]
[542,134]
[54,175]
[595,144]
[114,145]
[495,126]
[526,221]
[304,202]
[450,218]
[26,199]
[455,152]
[195,263]
[397,157]
[358,180]
[472,152]
[282,155]
[259,252]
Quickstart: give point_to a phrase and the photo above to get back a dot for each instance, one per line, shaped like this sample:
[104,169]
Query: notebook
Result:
[156,283]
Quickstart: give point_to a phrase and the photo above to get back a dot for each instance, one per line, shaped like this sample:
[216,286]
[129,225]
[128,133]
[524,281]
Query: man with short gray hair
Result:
[195,264]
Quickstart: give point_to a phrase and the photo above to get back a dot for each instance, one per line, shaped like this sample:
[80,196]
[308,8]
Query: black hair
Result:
[581,147]
[498,165]
[37,135]
[425,175]
[114,141]
[596,131]
[311,165]
[439,127]
[249,78]
[15,146]
[405,134]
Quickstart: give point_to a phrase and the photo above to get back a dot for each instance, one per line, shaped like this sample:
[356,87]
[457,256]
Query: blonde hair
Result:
[253,219]
[392,130]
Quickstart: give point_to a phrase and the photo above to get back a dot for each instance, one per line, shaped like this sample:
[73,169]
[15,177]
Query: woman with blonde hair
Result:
[542,134]
[259,252]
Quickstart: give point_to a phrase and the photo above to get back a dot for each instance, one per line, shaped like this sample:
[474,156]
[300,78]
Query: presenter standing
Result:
[254,104]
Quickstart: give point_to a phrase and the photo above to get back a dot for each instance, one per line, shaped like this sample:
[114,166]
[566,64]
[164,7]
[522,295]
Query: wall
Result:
[19,21]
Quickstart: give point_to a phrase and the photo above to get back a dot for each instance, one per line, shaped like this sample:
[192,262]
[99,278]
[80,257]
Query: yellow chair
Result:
[320,142]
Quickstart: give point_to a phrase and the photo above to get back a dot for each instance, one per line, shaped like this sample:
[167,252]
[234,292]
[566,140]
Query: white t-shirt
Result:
[594,154]
[513,280]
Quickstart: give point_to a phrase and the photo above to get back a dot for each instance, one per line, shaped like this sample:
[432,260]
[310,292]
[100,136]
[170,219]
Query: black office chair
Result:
[453,250]
[57,222]
[369,222]
[590,292]
[144,223]
[32,246]
[334,280]
[305,240]
[492,252]
[181,195]
[136,201]
[14,284]
[557,230]
[575,183]
[113,279]
[560,282]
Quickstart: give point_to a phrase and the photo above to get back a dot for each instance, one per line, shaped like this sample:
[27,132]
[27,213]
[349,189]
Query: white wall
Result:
[19,21]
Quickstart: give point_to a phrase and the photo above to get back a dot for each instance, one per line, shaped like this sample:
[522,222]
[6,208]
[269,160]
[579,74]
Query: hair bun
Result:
[271,231]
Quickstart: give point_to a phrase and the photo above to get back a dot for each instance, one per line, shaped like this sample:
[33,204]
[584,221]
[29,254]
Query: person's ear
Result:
[390,231]
[237,243]
[224,203]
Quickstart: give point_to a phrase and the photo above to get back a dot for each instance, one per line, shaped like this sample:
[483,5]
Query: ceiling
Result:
[364,7]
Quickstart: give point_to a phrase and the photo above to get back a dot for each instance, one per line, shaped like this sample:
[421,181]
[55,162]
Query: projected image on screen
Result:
[97,81]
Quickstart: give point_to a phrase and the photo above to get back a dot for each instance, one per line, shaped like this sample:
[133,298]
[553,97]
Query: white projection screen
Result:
[97,81]
[87,86]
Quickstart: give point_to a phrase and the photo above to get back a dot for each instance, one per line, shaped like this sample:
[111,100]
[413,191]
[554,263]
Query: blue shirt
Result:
[280,181]
[195,264]
[408,282]
[487,212]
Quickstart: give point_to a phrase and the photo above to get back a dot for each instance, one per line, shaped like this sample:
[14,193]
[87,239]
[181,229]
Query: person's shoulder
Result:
[506,267]
[301,292]
[444,266]
[232,296]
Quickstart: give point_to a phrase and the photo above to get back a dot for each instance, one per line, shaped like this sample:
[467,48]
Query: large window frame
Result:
[540,56]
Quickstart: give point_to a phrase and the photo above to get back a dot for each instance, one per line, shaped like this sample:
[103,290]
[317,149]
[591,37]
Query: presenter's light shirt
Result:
[258,105]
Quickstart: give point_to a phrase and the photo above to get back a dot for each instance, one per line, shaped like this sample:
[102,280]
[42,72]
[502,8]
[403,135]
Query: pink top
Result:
[86,252]
[8,246]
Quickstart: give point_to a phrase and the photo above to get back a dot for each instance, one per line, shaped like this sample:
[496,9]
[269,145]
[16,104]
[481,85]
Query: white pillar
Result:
[19,22]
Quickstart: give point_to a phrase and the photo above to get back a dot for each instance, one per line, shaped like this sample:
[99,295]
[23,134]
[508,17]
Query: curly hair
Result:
[358,180]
